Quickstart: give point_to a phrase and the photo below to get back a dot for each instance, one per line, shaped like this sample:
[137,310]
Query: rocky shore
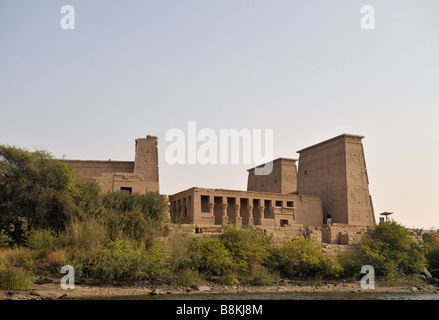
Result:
[53,290]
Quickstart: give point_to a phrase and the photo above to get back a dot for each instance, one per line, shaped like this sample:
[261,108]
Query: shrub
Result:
[210,257]
[14,257]
[5,240]
[261,275]
[15,279]
[45,253]
[87,235]
[390,250]
[303,258]
[134,216]
[398,279]
[80,261]
[127,261]
[152,205]
[186,278]
[249,248]
[351,265]
[433,256]
[229,278]
[180,255]
[87,196]
[45,262]
[130,226]
[45,239]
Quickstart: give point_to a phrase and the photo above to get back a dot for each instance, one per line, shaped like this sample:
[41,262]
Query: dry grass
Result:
[15,279]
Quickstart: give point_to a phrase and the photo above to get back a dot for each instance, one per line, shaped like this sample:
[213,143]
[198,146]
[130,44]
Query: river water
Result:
[292,296]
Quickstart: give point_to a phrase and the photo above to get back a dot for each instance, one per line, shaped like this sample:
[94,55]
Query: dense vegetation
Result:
[390,250]
[49,218]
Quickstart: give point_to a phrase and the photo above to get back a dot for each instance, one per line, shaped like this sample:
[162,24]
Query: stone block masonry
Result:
[278,211]
[335,171]
[140,176]
[282,179]
[331,178]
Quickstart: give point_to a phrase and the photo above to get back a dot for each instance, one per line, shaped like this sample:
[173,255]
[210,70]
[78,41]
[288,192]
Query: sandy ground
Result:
[53,291]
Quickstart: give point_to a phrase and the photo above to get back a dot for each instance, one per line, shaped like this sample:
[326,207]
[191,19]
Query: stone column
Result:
[250,215]
[212,215]
[271,212]
[261,215]
[225,218]
[187,210]
[172,211]
[177,210]
[190,209]
[181,212]
[238,218]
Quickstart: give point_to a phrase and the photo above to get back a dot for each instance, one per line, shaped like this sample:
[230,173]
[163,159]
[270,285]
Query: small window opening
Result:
[128,189]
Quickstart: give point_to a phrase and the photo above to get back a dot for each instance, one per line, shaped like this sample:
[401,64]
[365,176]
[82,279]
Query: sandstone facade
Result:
[282,179]
[331,179]
[140,175]
[335,171]
[203,206]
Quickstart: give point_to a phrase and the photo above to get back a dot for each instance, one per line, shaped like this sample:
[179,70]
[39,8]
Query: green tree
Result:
[152,205]
[431,244]
[134,216]
[433,256]
[35,191]
[390,249]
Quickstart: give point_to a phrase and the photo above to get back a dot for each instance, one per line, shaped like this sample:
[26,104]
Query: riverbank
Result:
[53,291]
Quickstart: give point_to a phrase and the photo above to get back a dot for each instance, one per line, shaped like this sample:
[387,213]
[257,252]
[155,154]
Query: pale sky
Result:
[305,69]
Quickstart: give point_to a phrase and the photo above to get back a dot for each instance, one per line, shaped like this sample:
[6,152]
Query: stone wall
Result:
[88,169]
[282,179]
[335,170]
[245,208]
[140,176]
[146,159]
[309,211]
[344,234]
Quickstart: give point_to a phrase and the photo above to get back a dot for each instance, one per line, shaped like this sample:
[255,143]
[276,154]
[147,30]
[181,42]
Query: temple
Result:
[327,193]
